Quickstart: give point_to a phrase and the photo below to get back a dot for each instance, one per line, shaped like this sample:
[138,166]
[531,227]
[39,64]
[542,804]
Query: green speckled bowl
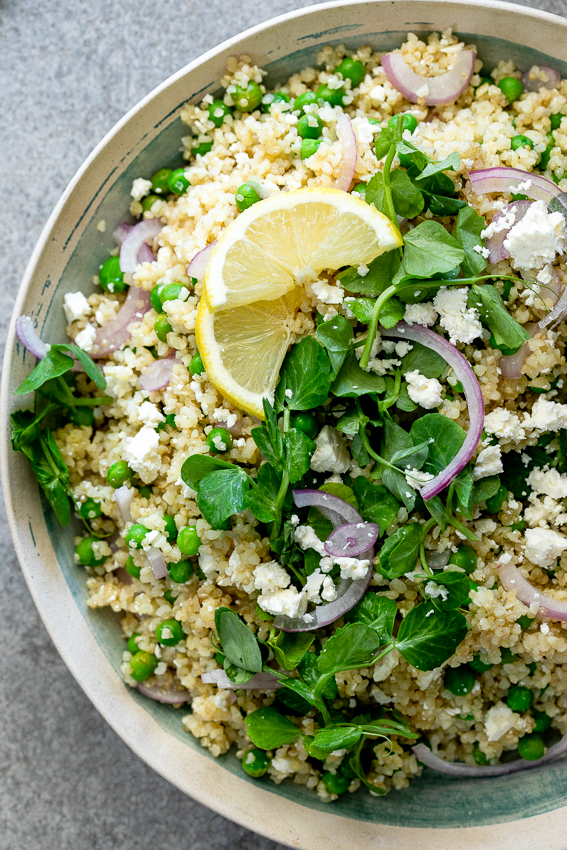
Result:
[525,810]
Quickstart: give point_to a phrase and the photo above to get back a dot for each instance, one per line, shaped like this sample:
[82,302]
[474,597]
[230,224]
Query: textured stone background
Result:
[68,71]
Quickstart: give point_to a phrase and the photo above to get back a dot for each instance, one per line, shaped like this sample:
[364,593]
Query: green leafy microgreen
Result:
[268,729]
[197,466]
[237,641]
[221,494]
[304,377]
[289,648]
[467,232]
[336,335]
[377,612]
[376,279]
[407,199]
[430,250]
[426,360]
[427,637]
[400,552]
[456,587]
[502,325]
[352,381]
[375,502]
[485,488]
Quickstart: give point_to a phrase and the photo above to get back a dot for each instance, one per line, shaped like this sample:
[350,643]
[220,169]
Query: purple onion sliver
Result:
[352,539]
[170,696]
[130,248]
[198,265]
[469,771]
[332,507]
[157,562]
[347,138]
[553,78]
[123,498]
[505,180]
[473,395]
[511,365]
[27,335]
[512,579]
[158,374]
[115,333]
[445,88]
[145,254]
[259,682]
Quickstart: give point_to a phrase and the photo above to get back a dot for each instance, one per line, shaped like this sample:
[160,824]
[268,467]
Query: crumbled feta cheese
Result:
[289,602]
[416,478]
[421,314]
[363,269]
[488,462]
[326,293]
[76,306]
[331,454]
[329,591]
[501,222]
[307,539]
[544,546]
[548,415]
[436,591]
[141,454]
[537,238]
[150,415]
[505,425]
[313,586]
[550,483]
[85,338]
[422,91]
[544,629]
[424,391]
[270,576]
[402,348]
[498,720]
[352,567]
[289,393]
[461,323]
[140,188]
[480,249]
[221,414]
[219,443]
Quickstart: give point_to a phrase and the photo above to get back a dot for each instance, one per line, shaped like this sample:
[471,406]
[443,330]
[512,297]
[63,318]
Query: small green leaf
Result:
[486,488]
[305,374]
[392,312]
[428,637]
[197,466]
[222,494]
[505,329]
[375,503]
[88,365]
[377,612]
[337,737]
[290,647]
[467,232]
[352,381]
[343,491]
[261,498]
[450,163]
[299,450]
[430,250]
[336,335]
[384,142]
[400,552]
[353,646]
[408,200]
[268,729]
[54,363]
[428,362]
[457,586]
[238,642]
[376,279]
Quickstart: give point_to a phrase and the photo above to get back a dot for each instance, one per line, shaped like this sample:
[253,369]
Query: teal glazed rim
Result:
[461,812]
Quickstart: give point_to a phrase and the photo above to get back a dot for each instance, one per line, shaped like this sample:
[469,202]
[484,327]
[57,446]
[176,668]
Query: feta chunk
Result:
[498,720]
[550,483]
[149,414]
[421,314]
[289,602]
[331,454]
[140,188]
[548,415]
[416,478]
[76,306]
[307,539]
[537,238]
[461,323]
[85,338]
[270,576]
[544,546]
[424,391]
[326,293]
[488,462]
[504,424]
[141,454]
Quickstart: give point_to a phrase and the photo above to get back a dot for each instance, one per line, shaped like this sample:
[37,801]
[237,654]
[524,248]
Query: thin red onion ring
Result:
[349,591]
[552,82]
[259,682]
[170,696]
[512,579]
[473,395]
[114,334]
[27,335]
[504,180]
[123,498]
[157,375]
[145,254]
[352,539]
[157,562]
[469,771]
[134,240]
[495,244]
[347,137]
[442,89]
[198,265]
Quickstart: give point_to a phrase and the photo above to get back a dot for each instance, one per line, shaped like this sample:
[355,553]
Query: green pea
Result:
[519,698]
[188,541]
[178,182]
[277,97]
[135,535]
[466,558]
[511,88]
[170,528]
[506,655]
[86,554]
[247,99]
[90,509]
[459,680]
[335,783]
[133,643]
[168,594]
[132,569]
[360,189]
[312,749]
[180,572]
[160,180]
[143,665]
[246,196]
[556,120]
[110,277]
[494,504]
[201,148]
[219,440]
[480,666]
[409,122]
[333,96]
[82,416]
[478,755]
[484,81]
[542,720]
[546,155]
[196,366]
[309,147]
[119,473]
[255,763]
[524,621]
[309,127]
[162,327]
[170,632]
[351,69]
[305,422]
[521,141]
[145,491]
[149,201]
[155,296]
[531,747]
[304,100]
[218,110]
[171,292]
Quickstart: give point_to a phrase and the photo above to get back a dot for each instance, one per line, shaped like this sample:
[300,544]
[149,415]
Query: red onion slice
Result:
[145,254]
[511,365]
[352,539]
[27,335]
[495,244]
[123,498]
[170,696]
[114,334]
[347,137]
[157,562]
[535,84]
[198,265]
[504,180]
[121,233]
[436,90]
[512,579]
[134,241]
[157,375]
[349,591]
[473,395]
[469,771]
[558,311]
[259,681]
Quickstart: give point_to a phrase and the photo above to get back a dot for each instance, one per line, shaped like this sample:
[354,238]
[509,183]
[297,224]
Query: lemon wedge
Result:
[289,238]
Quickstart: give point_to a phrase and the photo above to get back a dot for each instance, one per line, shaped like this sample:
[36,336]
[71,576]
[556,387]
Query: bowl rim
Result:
[241,802]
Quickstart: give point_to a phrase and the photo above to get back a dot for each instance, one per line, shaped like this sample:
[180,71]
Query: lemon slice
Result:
[289,238]
[243,348]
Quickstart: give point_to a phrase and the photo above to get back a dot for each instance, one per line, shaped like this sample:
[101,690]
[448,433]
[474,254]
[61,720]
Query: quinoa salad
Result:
[311,426]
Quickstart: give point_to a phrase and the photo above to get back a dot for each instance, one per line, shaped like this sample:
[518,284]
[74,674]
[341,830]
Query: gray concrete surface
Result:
[69,69]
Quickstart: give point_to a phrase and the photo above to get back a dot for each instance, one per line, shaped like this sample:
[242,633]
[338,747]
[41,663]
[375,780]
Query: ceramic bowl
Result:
[520,811]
